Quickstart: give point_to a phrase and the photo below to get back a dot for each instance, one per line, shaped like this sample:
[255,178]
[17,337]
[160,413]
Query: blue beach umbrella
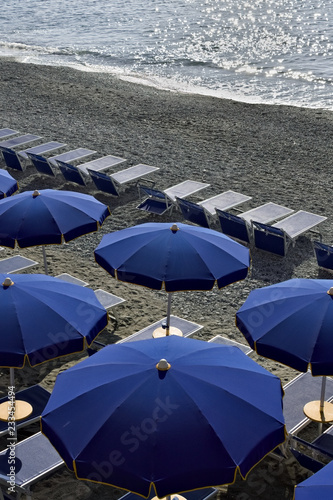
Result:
[8,185]
[169,414]
[175,257]
[43,318]
[48,217]
[317,487]
[292,322]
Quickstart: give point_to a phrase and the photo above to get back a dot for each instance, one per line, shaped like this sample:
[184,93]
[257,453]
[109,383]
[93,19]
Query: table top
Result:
[161,332]
[22,410]
[312,410]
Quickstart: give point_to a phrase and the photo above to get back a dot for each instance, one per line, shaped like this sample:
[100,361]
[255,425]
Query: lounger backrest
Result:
[103,182]
[233,226]
[11,158]
[192,212]
[41,164]
[324,255]
[71,173]
[151,192]
[271,239]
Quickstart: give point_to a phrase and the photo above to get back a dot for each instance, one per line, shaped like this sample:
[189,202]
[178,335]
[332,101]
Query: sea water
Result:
[267,51]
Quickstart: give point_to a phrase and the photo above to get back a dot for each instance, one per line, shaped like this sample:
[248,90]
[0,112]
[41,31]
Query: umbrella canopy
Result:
[317,487]
[8,185]
[291,322]
[177,257]
[43,318]
[173,413]
[174,256]
[48,217]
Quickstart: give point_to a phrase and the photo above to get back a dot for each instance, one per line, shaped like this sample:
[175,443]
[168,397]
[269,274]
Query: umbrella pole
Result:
[167,331]
[45,262]
[322,401]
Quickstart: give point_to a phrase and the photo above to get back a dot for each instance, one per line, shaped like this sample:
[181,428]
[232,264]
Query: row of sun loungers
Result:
[270,227]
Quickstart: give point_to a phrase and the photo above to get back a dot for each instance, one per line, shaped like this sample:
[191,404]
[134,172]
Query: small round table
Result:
[22,410]
[161,332]
[313,411]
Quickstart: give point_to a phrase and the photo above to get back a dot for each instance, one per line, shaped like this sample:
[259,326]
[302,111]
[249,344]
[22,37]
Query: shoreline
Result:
[271,153]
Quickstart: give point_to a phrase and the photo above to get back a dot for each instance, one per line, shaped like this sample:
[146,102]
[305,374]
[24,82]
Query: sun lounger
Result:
[35,459]
[106,299]
[240,226]
[37,396]
[15,263]
[16,160]
[277,238]
[220,339]
[297,393]
[201,213]
[73,155]
[71,279]
[41,149]
[48,166]
[188,328]
[100,164]
[324,255]
[159,202]
[7,132]
[19,141]
[111,184]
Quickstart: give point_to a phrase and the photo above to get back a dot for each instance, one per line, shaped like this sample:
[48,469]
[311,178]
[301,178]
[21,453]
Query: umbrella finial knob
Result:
[330,291]
[163,365]
[7,282]
[35,193]
[174,228]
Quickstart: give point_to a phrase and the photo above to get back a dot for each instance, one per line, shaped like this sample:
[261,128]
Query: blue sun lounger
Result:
[240,226]
[159,202]
[203,212]
[17,160]
[278,237]
[113,183]
[48,165]
[324,255]
[35,459]
[220,339]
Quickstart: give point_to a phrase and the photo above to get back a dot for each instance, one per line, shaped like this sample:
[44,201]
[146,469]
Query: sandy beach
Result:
[271,153]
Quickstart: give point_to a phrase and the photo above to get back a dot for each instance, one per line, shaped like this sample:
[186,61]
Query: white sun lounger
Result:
[100,164]
[19,141]
[15,264]
[201,213]
[35,459]
[277,238]
[7,132]
[73,155]
[159,202]
[47,147]
[220,339]
[111,183]
[240,226]
[297,393]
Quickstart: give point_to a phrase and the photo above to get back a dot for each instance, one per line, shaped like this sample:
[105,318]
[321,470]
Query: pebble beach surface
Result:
[271,153]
